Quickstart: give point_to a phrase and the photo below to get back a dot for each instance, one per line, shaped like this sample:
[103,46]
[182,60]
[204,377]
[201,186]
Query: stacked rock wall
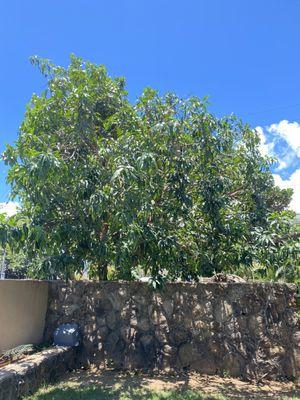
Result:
[241,329]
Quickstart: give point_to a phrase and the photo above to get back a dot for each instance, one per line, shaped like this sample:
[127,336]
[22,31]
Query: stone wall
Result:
[239,329]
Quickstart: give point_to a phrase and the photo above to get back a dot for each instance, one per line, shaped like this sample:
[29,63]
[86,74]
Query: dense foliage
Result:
[162,187]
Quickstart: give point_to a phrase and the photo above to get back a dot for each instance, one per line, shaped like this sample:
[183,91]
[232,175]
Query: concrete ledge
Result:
[24,377]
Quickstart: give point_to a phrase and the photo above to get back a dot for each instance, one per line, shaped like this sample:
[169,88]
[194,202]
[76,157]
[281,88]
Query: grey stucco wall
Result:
[23,306]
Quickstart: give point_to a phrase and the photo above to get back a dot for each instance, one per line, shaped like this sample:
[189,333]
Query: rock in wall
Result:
[241,329]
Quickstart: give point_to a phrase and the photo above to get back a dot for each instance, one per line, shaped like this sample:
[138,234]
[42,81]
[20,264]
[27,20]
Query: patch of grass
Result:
[120,385]
[96,393]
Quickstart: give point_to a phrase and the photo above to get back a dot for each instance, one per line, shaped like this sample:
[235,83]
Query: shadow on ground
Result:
[105,394]
[95,385]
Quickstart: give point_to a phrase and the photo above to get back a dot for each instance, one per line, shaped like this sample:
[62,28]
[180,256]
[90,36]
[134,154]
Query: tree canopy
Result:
[161,186]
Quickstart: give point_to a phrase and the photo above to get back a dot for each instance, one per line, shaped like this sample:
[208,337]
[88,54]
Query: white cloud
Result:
[289,131]
[286,159]
[266,149]
[9,208]
[292,182]
[281,141]
[282,165]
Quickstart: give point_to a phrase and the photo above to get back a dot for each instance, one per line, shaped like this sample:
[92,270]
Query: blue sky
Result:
[243,54]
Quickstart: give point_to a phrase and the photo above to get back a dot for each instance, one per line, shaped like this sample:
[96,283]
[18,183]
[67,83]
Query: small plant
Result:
[225,373]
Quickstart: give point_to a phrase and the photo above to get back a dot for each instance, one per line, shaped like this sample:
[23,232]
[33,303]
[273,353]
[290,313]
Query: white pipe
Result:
[3,268]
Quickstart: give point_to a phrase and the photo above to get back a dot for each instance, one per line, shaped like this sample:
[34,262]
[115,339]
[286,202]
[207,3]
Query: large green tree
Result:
[162,186]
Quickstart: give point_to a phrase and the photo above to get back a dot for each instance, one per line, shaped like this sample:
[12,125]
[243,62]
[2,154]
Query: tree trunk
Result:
[102,272]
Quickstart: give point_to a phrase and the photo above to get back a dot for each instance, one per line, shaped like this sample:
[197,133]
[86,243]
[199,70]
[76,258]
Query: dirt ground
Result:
[207,384]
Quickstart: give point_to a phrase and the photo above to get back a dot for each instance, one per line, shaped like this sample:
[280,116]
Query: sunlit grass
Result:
[61,392]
